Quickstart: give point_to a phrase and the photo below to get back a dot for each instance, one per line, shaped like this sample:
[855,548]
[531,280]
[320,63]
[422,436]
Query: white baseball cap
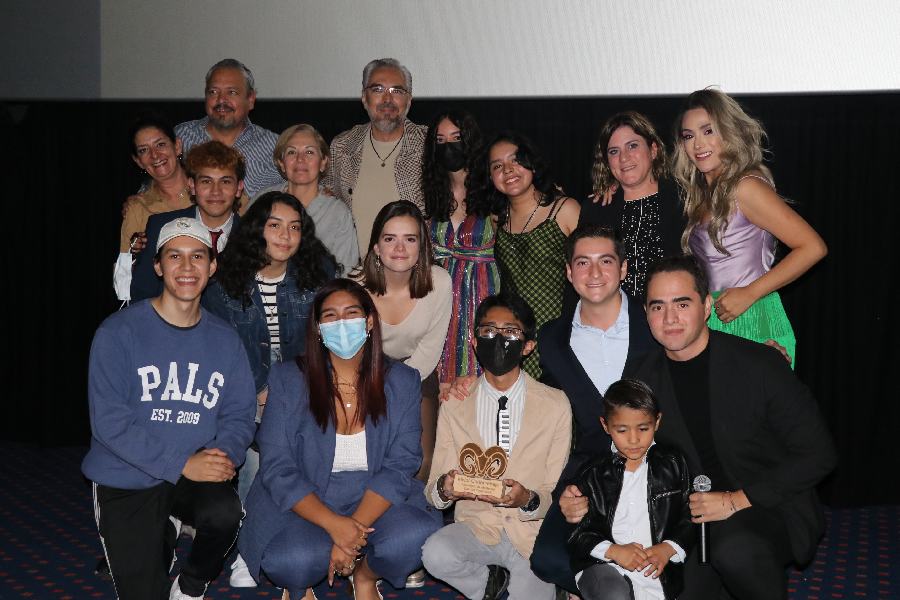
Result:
[184,226]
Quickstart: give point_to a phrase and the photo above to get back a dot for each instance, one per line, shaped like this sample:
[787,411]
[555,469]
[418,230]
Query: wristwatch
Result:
[534,501]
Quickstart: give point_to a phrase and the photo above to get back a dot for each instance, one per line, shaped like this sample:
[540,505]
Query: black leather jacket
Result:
[668,489]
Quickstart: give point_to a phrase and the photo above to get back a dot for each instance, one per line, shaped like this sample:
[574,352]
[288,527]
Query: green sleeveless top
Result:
[533,265]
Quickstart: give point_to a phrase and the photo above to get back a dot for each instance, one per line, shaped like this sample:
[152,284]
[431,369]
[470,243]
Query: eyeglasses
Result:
[490,332]
[394,90]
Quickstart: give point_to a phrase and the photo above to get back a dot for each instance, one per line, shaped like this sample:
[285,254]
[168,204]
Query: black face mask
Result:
[451,155]
[499,356]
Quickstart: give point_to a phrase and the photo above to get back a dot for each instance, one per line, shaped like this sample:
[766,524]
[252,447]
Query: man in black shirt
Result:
[743,418]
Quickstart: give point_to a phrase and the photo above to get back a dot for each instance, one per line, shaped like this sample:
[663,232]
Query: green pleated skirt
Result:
[764,320]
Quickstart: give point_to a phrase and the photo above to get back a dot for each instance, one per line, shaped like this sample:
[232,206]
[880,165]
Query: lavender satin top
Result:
[752,252]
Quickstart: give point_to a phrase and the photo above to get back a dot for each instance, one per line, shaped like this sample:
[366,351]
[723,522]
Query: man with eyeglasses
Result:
[532,424]
[379,161]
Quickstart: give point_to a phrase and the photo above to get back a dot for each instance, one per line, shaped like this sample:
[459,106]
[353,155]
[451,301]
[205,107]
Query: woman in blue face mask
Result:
[335,493]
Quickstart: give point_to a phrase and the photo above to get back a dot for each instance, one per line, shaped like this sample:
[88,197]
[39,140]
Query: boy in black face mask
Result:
[532,423]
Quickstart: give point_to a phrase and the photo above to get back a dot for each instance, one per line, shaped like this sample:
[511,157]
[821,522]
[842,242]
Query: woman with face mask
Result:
[335,494]
[462,234]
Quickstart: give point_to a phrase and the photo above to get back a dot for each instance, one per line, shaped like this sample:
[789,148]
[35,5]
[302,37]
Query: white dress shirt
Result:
[632,524]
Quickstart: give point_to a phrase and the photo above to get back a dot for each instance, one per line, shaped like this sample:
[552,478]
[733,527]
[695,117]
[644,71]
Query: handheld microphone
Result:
[702,483]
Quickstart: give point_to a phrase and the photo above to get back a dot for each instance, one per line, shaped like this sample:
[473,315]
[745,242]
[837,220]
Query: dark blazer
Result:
[561,369]
[296,456]
[770,437]
[672,219]
[668,505]
[144,282]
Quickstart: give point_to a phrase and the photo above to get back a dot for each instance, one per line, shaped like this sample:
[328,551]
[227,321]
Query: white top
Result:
[350,453]
[602,353]
[632,524]
[418,340]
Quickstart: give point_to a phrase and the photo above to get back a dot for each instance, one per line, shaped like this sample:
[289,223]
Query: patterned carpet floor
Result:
[49,544]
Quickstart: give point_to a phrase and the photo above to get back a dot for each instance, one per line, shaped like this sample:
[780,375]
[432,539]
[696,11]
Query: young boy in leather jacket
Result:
[638,519]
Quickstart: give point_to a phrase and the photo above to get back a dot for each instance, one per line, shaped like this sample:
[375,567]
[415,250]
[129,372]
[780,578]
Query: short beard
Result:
[388,125]
[225,124]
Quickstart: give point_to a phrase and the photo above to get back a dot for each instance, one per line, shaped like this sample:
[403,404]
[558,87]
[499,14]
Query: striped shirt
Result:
[268,290]
[255,143]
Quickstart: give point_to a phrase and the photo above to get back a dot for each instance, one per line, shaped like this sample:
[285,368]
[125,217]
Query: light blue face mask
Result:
[344,337]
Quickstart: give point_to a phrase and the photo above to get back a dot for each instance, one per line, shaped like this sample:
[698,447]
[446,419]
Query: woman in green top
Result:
[534,220]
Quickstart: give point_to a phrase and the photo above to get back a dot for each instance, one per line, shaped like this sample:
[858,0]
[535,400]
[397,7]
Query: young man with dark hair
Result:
[741,417]
[531,423]
[582,352]
[172,414]
[216,179]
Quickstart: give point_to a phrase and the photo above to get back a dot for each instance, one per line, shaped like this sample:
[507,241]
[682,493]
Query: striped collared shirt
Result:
[255,143]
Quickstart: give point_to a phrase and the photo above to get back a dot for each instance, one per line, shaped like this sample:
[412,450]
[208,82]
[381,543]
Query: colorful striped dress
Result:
[468,255]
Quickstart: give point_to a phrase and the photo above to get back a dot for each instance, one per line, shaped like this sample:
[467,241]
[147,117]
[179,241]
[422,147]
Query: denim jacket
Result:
[294,306]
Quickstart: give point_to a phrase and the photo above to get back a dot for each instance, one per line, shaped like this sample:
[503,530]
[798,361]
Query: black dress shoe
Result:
[498,581]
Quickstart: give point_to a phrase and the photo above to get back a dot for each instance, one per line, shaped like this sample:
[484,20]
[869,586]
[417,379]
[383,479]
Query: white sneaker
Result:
[240,574]
[176,594]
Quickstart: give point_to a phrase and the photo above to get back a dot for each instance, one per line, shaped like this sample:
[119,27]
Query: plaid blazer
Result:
[346,157]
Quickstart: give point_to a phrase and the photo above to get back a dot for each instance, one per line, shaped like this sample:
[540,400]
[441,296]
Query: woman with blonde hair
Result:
[735,218]
[302,155]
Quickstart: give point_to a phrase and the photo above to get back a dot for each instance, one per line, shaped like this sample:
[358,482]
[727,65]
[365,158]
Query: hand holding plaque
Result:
[480,471]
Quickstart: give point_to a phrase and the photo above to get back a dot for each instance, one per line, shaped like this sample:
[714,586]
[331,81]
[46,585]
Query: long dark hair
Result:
[371,401]
[246,254]
[420,283]
[479,184]
[439,202]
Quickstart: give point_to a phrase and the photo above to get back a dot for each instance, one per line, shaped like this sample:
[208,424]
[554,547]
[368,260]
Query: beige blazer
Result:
[536,461]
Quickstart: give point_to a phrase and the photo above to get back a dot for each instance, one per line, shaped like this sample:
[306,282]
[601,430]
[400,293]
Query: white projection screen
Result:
[305,49]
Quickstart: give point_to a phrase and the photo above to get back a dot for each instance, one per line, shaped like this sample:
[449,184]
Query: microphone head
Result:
[702,483]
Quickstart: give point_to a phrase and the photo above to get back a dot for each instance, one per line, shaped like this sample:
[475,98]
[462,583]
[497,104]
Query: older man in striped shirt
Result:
[230,96]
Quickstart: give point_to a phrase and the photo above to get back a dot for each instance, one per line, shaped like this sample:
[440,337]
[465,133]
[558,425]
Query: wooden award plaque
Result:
[481,471]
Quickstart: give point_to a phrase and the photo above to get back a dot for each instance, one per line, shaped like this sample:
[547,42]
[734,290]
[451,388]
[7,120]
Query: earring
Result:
[378,263]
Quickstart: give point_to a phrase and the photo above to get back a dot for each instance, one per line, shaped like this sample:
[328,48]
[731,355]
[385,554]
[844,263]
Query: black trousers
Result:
[749,553]
[139,540]
[550,558]
[603,582]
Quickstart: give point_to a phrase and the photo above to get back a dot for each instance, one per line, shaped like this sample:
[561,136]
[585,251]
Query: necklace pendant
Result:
[348,405]
[382,164]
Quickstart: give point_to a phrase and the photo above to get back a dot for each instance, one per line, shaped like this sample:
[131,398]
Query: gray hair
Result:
[392,63]
[233,63]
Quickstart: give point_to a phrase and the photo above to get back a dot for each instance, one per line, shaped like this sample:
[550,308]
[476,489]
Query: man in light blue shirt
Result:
[582,353]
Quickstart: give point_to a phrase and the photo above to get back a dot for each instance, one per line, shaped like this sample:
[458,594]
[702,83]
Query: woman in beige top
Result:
[156,151]
[413,298]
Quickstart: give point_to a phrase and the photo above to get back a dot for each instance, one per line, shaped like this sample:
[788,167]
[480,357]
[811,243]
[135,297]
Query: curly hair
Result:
[480,185]
[742,152]
[246,254]
[439,202]
[215,155]
[601,175]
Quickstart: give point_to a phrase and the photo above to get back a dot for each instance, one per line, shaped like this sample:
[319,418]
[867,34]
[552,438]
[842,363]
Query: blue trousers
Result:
[297,558]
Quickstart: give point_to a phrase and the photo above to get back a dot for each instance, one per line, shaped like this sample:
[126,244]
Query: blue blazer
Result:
[296,456]
[144,282]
